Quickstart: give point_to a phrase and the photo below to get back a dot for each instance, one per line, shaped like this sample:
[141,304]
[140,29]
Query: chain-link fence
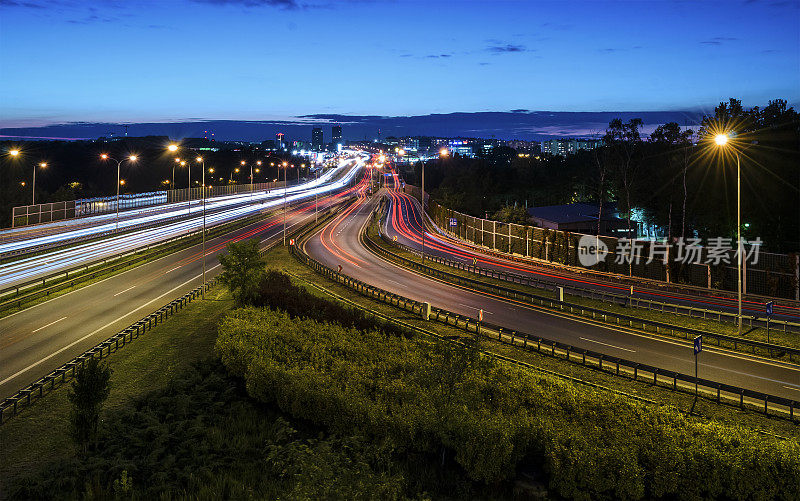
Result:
[772,275]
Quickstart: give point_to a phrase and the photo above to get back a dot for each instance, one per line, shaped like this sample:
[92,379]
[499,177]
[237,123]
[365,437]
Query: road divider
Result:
[715,391]
[33,392]
[595,314]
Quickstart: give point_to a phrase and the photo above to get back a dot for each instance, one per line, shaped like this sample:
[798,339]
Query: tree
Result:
[89,390]
[511,214]
[243,270]
[624,141]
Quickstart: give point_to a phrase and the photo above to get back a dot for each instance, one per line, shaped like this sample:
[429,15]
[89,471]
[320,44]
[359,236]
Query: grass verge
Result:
[41,431]
[281,260]
[776,336]
[126,263]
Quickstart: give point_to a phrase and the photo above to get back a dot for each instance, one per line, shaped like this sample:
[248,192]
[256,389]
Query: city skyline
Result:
[200,60]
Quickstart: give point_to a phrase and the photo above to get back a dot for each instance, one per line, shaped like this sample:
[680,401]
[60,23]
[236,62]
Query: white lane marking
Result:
[474,308]
[48,357]
[173,269]
[126,290]
[606,344]
[48,325]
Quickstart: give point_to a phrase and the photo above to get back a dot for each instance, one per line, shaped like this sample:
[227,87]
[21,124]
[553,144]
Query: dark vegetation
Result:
[89,390]
[680,180]
[74,169]
[312,400]
[457,411]
[203,438]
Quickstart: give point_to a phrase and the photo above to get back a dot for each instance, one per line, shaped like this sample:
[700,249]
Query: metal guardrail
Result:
[719,392]
[26,396]
[196,204]
[757,347]
[623,300]
[36,390]
[12,297]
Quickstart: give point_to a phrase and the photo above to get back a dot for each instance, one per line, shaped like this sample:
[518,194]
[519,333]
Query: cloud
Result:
[556,26]
[718,40]
[437,56]
[520,110]
[282,4]
[506,48]
[28,4]
[92,19]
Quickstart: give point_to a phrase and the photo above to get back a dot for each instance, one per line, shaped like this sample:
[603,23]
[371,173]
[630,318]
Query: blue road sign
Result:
[769,308]
[453,221]
[698,344]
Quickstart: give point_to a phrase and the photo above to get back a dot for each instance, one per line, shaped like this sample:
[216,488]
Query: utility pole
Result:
[422,202]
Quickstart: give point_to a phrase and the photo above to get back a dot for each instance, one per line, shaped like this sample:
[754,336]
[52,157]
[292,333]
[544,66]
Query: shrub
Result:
[89,390]
[437,399]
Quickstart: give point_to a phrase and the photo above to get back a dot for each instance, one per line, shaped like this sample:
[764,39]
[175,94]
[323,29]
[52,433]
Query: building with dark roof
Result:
[579,218]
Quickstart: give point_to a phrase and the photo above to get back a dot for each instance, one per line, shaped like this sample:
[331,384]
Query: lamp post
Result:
[131,158]
[43,165]
[721,140]
[285,164]
[203,164]
[177,162]
[188,166]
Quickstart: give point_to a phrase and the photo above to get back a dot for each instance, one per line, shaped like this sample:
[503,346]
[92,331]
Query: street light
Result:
[722,140]
[203,164]
[131,158]
[177,162]
[285,164]
[43,165]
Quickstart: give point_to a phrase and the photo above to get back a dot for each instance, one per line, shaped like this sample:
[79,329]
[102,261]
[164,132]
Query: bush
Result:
[203,438]
[433,398]
[243,269]
[89,391]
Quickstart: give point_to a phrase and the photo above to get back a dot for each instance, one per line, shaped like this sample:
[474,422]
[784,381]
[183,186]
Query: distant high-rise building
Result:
[279,143]
[568,146]
[316,139]
[336,135]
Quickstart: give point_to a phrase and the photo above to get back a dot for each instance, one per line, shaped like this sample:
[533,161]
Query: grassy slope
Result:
[146,364]
[40,433]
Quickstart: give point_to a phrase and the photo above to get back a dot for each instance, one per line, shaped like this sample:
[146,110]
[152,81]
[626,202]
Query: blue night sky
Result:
[173,60]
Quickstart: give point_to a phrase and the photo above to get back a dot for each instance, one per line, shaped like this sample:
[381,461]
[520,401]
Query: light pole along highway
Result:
[721,141]
[174,148]
[15,153]
[442,153]
[131,158]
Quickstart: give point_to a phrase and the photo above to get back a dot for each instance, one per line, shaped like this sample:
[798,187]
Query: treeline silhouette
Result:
[75,170]
[680,179]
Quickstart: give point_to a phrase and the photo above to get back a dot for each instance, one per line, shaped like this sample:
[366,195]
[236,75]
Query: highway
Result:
[338,245]
[406,226]
[230,208]
[38,339]
[20,239]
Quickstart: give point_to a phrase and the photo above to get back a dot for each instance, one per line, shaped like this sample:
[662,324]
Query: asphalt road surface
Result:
[38,339]
[338,244]
[407,228]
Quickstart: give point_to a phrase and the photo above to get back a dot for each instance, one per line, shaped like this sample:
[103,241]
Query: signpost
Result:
[769,306]
[453,222]
[698,347]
